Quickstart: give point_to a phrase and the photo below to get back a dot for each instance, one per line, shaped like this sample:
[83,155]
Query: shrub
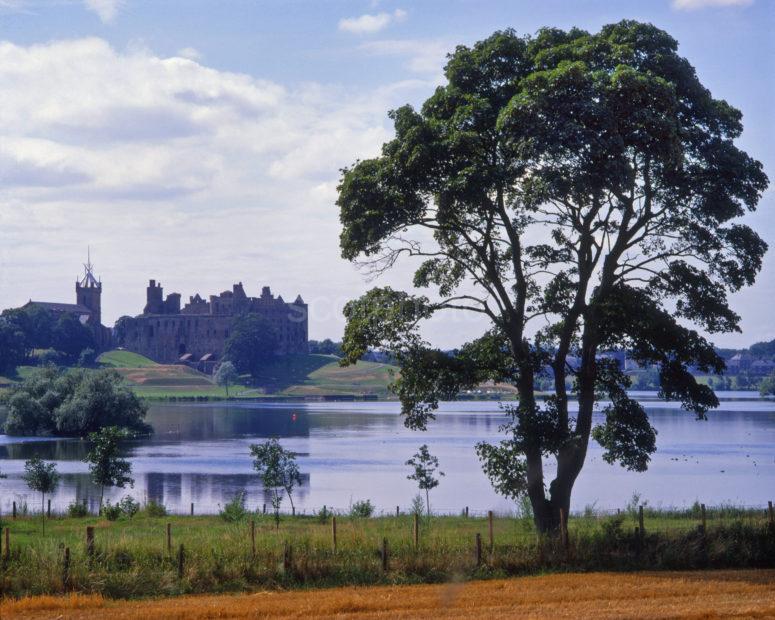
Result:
[235,509]
[323,515]
[417,507]
[129,506]
[111,511]
[362,508]
[77,510]
[155,509]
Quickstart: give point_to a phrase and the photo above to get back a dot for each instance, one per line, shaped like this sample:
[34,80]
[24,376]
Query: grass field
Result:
[603,596]
[124,359]
[131,558]
[294,375]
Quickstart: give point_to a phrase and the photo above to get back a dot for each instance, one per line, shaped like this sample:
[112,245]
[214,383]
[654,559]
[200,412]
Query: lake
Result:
[356,450]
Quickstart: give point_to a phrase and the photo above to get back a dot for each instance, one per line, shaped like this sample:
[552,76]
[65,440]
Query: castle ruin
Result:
[197,332]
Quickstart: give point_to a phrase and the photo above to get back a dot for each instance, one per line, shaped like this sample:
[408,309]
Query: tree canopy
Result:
[252,343]
[580,191]
[72,403]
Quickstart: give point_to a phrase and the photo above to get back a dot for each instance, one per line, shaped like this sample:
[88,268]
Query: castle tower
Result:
[154,296]
[88,291]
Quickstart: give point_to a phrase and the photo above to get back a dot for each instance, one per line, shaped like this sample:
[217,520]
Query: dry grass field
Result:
[690,595]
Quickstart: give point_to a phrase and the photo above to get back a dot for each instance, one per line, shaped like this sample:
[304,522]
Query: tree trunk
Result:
[428,503]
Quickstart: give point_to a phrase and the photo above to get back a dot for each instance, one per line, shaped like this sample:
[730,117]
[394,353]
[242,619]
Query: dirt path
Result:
[717,594]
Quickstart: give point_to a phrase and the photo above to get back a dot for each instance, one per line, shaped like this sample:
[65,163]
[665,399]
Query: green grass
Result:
[314,375]
[124,359]
[289,376]
[131,558]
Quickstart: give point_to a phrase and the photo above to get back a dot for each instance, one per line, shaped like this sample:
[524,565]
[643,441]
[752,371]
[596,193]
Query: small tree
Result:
[767,386]
[106,466]
[425,466]
[226,375]
[43,478]
[278,470]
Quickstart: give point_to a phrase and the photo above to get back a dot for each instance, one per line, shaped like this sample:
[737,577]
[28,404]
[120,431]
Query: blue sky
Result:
[199,142]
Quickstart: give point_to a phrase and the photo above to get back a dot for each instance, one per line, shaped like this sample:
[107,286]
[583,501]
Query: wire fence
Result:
[658,518]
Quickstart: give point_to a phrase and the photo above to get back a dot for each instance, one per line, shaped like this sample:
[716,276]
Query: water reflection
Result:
[351,451]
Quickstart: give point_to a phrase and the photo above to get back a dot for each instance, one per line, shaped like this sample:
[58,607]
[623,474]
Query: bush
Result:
[362,508]
[235,509]
[77,510]
[129,506]
[417,507]
[155,509]
[323,515]
[111,511]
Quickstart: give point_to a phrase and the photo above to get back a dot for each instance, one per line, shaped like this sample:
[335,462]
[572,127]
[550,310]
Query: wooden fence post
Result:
[384,555]
[397,511]
[286,557]
[489,527]
[14,510]
[416,530]
[640,521]
[253,536]
[169,538]
[702,517]
[181,560]
[333,533]
[192,509]
[264,512]
[48,511]
[89,541]
[478,549]
[466,512]
[66,569]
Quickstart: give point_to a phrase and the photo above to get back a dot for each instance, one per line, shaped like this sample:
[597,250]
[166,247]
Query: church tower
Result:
[88,291]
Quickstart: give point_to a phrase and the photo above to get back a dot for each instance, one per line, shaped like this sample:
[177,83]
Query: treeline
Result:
[72,403]
[35,335]
[760,350]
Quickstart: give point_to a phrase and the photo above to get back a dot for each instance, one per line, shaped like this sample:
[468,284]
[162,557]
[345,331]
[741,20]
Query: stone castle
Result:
[196,333]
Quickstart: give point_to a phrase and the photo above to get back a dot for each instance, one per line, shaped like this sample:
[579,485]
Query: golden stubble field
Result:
[685,595]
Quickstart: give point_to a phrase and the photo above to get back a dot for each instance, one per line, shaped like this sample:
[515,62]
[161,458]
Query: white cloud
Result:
[105,9]
[369,24]
[689,5]
[190,53]
[422,55]
[174,170]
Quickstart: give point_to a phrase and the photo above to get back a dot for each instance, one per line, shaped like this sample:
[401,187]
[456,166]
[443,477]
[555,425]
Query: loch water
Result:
[351,451]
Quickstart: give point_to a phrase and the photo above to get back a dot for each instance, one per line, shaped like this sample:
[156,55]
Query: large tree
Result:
[580,192]
[252,344]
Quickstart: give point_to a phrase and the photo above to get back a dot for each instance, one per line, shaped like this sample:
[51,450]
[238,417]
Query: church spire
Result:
[88,279]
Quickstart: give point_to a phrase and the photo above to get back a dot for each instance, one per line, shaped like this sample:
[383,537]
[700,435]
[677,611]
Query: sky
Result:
[199,143]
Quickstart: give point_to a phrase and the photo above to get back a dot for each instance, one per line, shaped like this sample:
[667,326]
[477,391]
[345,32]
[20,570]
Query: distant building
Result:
[87,307]
[196,333]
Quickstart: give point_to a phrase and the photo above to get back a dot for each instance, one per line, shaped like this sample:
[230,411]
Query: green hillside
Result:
[294,375]
[318,375]
[124,359]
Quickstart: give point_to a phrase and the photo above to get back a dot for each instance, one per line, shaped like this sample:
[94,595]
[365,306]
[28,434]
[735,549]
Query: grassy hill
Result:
[295,375]
[124,359]
[318,375]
